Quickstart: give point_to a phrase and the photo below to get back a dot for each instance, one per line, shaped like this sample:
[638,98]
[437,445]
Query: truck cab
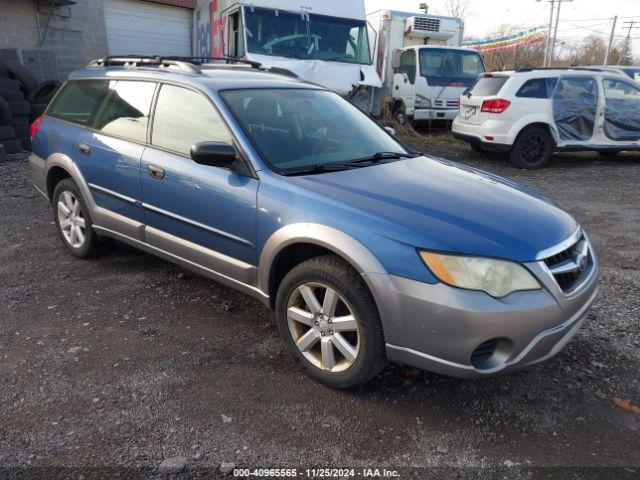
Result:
[429,79]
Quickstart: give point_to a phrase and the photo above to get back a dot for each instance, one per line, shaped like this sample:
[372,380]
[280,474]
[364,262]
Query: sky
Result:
[578,18]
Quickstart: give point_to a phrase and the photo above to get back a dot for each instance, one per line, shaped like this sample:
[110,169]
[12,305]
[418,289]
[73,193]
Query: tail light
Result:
[35,126]
[497,105]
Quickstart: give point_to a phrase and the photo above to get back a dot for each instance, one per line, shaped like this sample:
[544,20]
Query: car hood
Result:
[441,205]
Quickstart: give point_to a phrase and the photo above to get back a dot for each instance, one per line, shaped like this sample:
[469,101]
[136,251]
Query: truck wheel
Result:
[400,115]
[329,322]
[72,219]
[533,148]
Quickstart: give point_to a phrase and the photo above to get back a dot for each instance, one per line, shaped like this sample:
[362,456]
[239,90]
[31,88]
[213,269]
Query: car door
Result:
[114,116]
[622,104]
[200,213]
[404,80]
[575,109]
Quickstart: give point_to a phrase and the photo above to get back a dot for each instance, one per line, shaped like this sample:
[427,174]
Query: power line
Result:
[627,43]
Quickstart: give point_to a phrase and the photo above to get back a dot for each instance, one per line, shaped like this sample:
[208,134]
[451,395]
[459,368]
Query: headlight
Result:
[495,277]
[422,102]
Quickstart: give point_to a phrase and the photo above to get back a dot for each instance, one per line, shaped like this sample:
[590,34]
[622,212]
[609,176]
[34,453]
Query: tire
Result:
[7,132]
[610,153]
[11,95]
[26,143]
[5,112]
[22,131]
[364,336]
[37,109]
[476,147]
[9,84]
[20,73]
[20,107]
[20,120]
[44,92]
[12,146]
[400,115]
[533,148]
[77,248]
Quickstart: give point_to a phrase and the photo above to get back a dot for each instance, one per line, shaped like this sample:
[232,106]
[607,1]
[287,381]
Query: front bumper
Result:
[439,328]
[426,114]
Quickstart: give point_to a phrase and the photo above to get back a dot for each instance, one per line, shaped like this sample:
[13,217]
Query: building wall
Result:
[75,40]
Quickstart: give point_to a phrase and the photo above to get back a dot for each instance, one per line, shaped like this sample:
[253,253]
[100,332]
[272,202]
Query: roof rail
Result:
[186,64]
[143,61]
[533,69]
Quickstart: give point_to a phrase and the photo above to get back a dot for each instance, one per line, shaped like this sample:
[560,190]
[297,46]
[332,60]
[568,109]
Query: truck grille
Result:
[572,266]
[426,24]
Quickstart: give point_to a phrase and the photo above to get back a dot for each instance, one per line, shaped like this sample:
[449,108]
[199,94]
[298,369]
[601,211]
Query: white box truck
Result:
[322,41]
[422,66]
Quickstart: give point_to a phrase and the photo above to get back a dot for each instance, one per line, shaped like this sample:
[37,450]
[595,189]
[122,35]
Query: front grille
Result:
[572,266]
[426,24]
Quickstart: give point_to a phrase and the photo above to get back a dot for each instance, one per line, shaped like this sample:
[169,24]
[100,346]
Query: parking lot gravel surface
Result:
[128,361]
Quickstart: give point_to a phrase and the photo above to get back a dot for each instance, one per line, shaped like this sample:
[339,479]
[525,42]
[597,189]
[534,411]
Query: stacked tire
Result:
[22,100]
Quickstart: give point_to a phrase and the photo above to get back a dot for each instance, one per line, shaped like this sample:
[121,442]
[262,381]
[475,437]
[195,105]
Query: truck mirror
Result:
[395,59]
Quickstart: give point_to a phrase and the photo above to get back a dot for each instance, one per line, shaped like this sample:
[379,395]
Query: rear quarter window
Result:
[79,100]
[488,86]
[537,88]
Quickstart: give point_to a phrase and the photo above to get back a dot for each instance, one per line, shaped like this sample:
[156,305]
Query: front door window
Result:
[621,113]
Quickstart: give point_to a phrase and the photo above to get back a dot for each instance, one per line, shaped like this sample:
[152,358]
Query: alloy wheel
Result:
[71,220]
[533,149]
[323,327]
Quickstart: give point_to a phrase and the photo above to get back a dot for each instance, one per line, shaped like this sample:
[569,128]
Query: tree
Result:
[456,8]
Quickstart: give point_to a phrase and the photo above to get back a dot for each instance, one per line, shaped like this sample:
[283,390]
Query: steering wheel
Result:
[328,148]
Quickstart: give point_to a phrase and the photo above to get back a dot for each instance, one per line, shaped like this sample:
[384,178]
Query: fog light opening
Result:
[491,354]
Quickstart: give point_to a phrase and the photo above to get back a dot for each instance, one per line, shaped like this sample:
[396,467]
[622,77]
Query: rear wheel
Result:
[329,322]
[72,219]
[533,148]
[476,147]
[400,114]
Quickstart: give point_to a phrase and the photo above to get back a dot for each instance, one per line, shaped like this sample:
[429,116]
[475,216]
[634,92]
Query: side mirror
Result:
[214,154]
[395,59]
[390,131]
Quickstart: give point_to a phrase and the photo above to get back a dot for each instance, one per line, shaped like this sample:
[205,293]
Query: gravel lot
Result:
[128,361]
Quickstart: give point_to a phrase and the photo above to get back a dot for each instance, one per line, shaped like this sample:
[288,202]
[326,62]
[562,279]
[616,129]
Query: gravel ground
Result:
[128,361]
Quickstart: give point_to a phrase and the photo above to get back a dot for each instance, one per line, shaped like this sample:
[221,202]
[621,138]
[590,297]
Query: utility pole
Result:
[546,48]
[613,29]
[627,41]
[555,30]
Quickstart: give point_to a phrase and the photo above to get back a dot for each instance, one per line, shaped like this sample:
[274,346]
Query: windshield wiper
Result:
[323,167]
[379,156]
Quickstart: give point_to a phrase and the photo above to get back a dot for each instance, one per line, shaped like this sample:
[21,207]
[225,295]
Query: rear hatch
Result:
[487,87]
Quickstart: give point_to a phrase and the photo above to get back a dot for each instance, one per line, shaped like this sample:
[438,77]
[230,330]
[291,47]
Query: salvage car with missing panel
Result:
[532,113]
[367,251]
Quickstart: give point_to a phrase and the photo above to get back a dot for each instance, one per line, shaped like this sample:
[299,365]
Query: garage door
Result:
[143,28]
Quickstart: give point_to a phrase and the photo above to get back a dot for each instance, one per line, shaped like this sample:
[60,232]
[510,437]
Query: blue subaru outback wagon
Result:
[367,251]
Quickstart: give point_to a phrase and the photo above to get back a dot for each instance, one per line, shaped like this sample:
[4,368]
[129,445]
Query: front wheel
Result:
[533,148]
[329,322]
[72,219]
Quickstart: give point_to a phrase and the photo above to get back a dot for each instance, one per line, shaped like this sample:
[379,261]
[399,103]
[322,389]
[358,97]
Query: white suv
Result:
[533,113]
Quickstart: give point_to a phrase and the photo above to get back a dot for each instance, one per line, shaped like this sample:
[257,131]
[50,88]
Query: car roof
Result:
[546,72]
[214,77]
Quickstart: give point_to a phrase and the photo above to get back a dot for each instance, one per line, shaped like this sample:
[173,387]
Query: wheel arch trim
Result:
[342,244]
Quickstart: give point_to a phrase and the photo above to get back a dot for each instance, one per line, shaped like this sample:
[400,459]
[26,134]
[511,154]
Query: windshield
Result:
[450,68]
[302,36]
[296,129]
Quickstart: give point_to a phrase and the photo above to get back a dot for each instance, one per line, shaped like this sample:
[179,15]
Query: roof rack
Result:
[533,69]
[186,64]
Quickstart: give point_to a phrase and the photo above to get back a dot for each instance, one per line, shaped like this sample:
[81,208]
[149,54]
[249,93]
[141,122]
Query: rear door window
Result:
[538,88]
[183,118]
[79,100]
[125,110]
[488,86]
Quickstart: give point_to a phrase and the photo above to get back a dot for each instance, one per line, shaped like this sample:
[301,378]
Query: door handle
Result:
[84,149]
[155,171]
